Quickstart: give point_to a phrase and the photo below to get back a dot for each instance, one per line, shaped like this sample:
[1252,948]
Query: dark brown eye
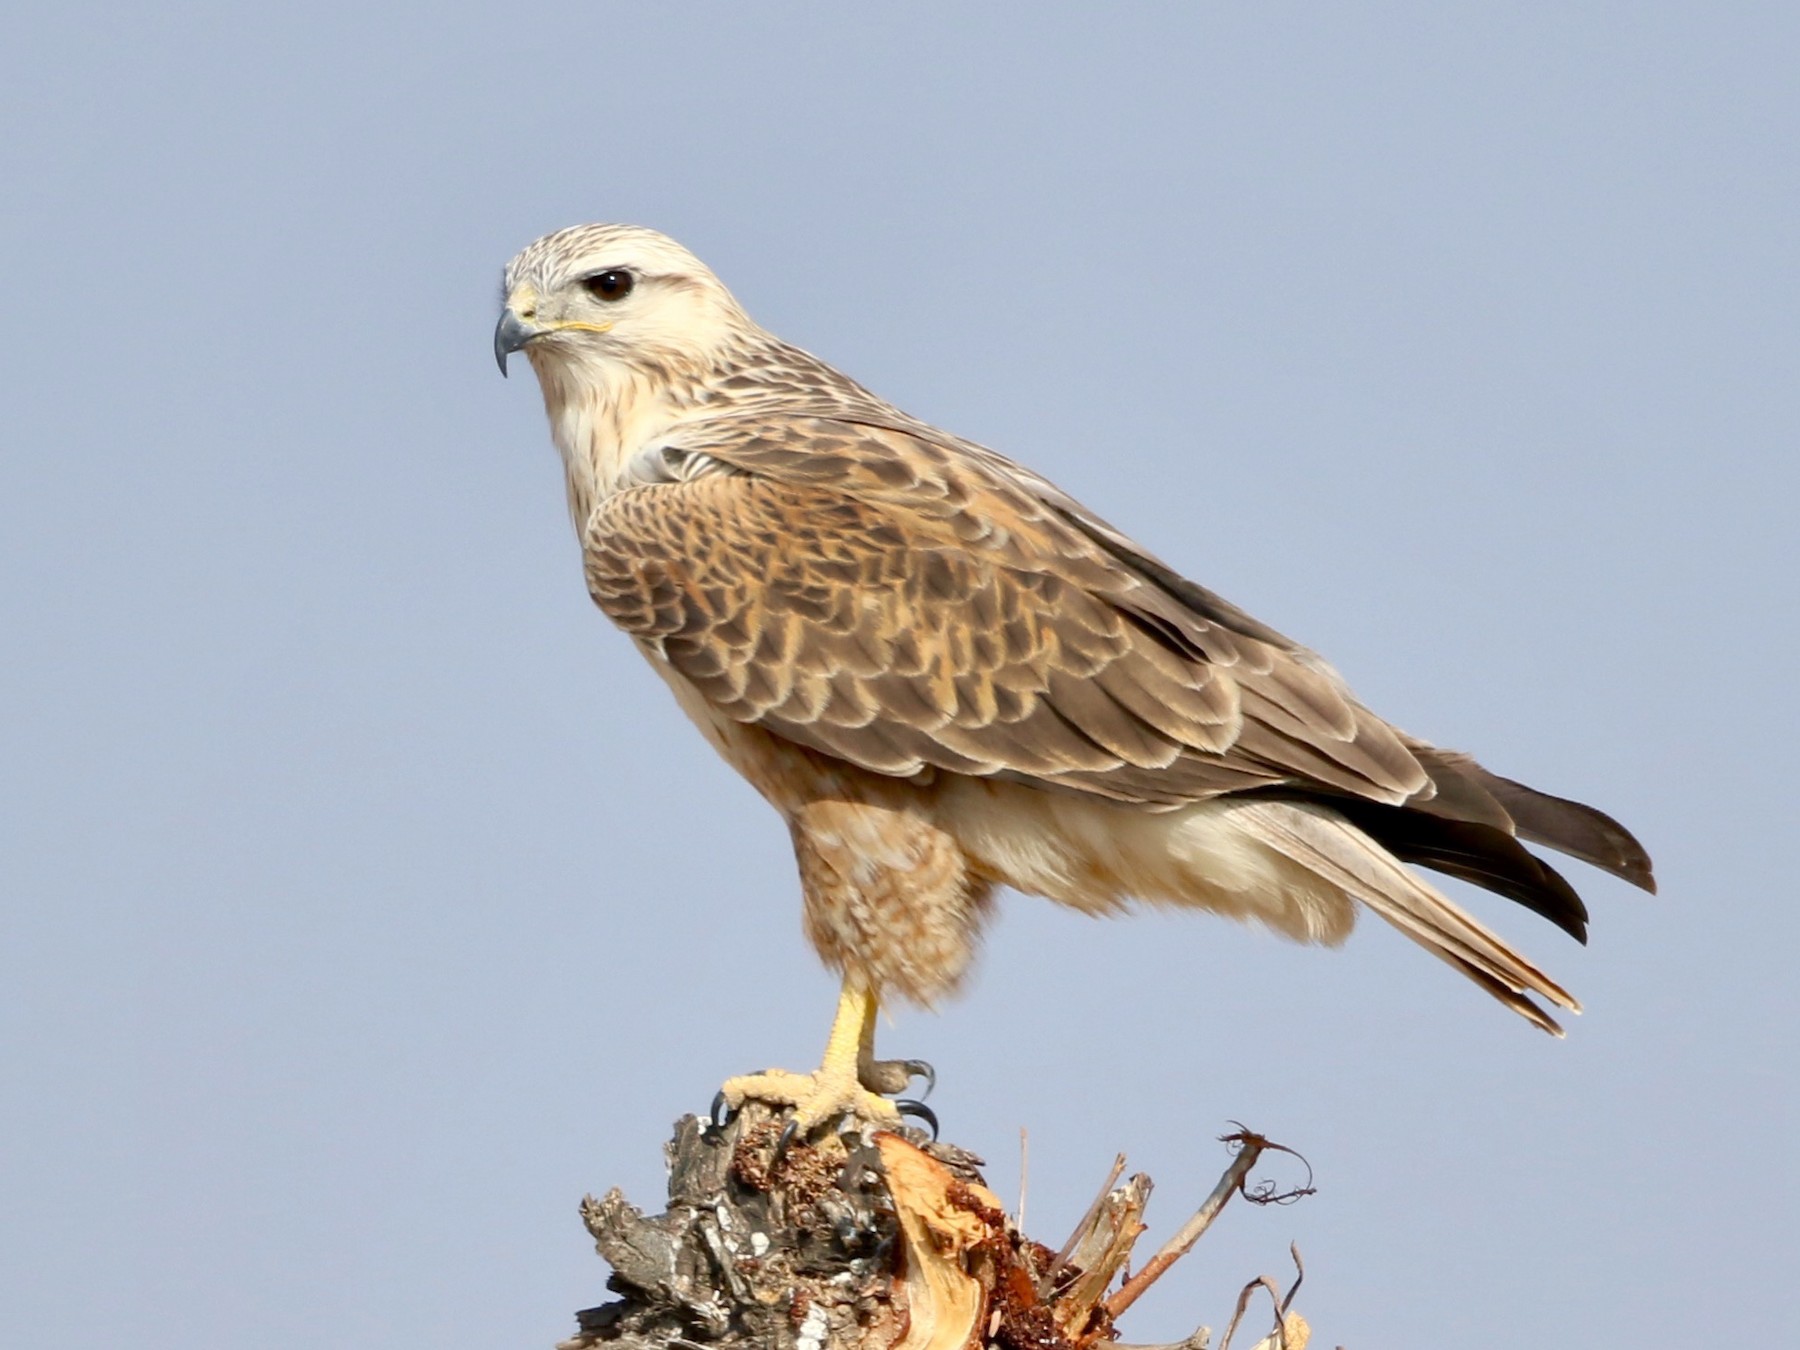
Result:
[615,284]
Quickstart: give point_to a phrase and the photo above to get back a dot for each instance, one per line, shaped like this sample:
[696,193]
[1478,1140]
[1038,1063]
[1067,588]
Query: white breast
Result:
[599,421]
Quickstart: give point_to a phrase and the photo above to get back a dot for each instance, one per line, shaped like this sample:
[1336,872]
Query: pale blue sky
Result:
[340,838]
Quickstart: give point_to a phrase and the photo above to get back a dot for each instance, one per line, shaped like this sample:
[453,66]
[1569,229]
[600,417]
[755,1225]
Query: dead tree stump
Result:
[883,1241]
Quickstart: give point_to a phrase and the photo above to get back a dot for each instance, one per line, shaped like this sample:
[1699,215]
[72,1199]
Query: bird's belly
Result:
[1081,851]
[1100,856]
[889,896]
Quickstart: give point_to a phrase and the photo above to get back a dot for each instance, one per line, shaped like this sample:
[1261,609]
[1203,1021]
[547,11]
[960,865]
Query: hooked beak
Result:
[511,334]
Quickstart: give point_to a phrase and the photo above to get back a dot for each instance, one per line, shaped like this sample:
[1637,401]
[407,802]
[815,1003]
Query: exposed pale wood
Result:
[946,1300]
[1101,1252]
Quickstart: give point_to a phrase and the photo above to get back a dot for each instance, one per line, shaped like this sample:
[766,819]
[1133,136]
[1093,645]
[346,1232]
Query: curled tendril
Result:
[1266,1192]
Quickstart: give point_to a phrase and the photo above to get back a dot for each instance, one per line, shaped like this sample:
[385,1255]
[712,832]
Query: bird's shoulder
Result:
[893,482]
[777,504]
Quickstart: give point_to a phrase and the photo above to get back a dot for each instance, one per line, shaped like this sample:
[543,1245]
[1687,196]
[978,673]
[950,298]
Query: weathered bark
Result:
[881,1242]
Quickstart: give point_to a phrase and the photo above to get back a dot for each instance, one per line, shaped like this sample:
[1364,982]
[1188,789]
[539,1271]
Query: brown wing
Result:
[900,604]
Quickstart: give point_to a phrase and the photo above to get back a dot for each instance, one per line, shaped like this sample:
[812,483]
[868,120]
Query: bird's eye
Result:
[614,284]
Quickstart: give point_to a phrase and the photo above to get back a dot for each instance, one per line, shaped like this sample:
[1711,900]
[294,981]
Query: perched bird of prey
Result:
[947,675]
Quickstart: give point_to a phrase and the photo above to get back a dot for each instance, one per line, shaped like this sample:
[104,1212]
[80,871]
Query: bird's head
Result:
[593,301]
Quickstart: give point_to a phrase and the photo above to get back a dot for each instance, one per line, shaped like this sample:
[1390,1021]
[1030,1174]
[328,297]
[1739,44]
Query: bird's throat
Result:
[598,421]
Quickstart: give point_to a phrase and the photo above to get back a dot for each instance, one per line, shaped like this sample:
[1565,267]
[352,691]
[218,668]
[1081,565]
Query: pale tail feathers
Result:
[1339,853]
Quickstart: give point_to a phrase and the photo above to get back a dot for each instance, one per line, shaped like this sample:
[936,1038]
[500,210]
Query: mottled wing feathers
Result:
[819,618]
[879,597]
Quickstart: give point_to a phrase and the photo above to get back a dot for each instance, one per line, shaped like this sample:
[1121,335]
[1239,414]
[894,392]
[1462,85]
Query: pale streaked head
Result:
[600,296]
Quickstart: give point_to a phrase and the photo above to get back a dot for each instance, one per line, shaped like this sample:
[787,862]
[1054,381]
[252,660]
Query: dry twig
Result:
[1250,1146]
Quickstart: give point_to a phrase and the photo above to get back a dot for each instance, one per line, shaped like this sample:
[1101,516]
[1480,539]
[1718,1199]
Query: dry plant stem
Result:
[1291,1331]
[1299,1277]
[1087,1220]
[1179,1245]
[1024,1174]
[1243,1304]
[1101,1254]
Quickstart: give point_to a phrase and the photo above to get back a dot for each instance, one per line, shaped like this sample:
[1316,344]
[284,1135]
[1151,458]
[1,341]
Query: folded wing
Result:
[907,602]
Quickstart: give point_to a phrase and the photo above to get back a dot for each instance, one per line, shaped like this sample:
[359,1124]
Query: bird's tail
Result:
[1569,827]
[1339,853]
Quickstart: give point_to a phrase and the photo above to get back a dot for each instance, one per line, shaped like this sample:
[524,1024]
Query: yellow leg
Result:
[836,1088]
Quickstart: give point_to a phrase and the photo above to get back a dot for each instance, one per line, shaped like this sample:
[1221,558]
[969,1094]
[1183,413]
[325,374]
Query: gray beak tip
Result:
[510,334]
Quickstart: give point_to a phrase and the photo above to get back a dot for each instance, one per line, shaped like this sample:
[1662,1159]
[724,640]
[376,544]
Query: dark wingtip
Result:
[1481,854]
[1572,827]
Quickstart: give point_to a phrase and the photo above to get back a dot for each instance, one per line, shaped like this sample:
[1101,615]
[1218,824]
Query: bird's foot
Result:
[829,1094]
[850,1085]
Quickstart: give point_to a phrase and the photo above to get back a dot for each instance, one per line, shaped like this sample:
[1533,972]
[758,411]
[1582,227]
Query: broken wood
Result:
[888,1241]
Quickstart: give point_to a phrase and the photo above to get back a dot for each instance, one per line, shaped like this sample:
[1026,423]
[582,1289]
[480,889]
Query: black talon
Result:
[920,1111]
[721,1111]
[789,1133]
[918,1068]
